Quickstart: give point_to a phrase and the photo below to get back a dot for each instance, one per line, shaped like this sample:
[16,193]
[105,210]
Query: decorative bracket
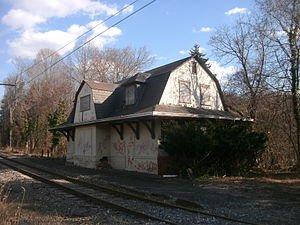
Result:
[135,127]
[151,127]
[72,134]
[68,134]
[120,129]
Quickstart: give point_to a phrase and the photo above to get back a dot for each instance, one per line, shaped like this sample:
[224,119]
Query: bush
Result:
[214,148]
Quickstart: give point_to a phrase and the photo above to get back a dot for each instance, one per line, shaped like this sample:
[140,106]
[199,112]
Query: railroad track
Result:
[111,198]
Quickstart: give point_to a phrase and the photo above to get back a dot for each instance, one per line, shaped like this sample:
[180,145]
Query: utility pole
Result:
[10,113]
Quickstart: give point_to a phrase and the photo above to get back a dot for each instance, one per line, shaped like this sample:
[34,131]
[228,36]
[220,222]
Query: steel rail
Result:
[115,191]
[83,195]
[130,195]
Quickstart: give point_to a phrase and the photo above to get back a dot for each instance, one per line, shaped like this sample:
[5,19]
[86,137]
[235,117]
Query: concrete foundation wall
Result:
[70,151]
[85,153]
[94,142]
[132,154]
[103,141]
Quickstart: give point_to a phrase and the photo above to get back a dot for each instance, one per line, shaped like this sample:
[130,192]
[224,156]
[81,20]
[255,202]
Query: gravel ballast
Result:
[43,204]
[245,199]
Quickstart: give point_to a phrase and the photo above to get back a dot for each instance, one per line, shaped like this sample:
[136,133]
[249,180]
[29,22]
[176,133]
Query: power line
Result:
[80,36]
[91,39]
[6,84]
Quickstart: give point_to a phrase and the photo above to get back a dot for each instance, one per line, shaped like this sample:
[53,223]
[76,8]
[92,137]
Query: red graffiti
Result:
[120,147]
[143,166]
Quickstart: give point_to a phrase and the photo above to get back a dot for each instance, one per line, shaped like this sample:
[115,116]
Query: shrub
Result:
[215,148]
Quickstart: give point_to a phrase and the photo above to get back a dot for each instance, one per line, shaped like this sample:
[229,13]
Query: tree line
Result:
[39,102]
[263,45]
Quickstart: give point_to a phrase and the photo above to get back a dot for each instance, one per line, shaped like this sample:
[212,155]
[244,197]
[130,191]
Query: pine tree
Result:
[195,51]
[54,119]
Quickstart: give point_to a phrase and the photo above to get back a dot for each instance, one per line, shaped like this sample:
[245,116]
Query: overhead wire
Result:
[91,39]
[78,37]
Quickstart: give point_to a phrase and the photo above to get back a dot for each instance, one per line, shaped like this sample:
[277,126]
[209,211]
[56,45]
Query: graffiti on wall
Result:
[138,155]
[103,144]
[137,148]
[144,165]
[84,142]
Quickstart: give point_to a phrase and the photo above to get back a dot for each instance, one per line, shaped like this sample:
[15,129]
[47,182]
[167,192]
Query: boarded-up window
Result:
[85,103]
[217,100]
[130,95]
[194,67]
[205,94]
[184,91]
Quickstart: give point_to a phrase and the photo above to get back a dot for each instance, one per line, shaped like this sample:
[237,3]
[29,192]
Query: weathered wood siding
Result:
[86,115]
[200,95]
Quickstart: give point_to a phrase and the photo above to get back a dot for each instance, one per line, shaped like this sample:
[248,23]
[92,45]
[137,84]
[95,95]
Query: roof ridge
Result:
[168,64]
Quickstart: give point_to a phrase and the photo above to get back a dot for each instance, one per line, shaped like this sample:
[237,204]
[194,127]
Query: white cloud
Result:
[105,38]
[281,33]
[236,10]
[129,9]
[158,57]
[18,18]
[183,52]
[26,14]
[30,41]
[222,72]
[203,29]
[206,29]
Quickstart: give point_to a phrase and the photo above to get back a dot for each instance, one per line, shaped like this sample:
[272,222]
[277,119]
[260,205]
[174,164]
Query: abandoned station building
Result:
[121,122]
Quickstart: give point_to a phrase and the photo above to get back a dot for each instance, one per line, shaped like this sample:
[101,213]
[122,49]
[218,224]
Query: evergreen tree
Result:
[195,51]
[54,119]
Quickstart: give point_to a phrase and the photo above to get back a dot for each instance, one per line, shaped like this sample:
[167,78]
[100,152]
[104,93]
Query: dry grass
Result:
[10,213]
[13,213]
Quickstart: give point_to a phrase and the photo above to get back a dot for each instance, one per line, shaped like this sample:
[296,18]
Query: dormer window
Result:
[85,103]
[130,95]
[194,67]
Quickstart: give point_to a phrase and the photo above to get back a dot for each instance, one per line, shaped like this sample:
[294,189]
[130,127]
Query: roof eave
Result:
[149,114]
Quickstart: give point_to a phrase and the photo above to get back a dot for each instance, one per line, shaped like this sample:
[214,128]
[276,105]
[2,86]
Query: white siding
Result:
[86,115]
[209,99]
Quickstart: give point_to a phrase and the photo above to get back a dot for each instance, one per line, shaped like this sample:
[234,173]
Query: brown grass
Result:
[10,213]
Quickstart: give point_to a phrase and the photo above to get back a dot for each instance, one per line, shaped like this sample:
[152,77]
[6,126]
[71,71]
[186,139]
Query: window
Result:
[184,92]
[85,103]
[205,94]
[217,100]
[130,95]
[194,67]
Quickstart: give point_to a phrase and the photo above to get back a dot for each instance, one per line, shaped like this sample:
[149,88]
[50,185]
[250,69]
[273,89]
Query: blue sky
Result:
[168,28]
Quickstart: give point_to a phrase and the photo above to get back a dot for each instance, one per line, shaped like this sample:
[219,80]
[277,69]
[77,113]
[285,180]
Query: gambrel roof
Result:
[150,89]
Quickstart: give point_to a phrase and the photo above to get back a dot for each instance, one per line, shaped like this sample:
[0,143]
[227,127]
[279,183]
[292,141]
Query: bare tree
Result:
[243,45]
[283,17]
[44,93]
[81,63]
[123,63]
[109,64]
